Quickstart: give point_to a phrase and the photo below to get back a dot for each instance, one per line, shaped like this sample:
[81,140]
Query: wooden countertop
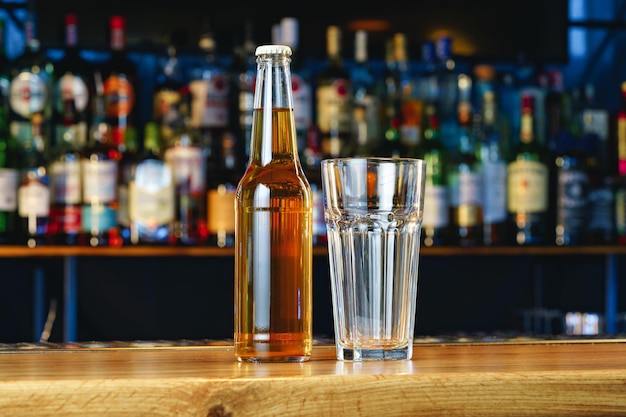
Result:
[550,378]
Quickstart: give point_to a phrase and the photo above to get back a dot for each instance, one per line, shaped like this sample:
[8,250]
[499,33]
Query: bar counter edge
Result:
[537,378]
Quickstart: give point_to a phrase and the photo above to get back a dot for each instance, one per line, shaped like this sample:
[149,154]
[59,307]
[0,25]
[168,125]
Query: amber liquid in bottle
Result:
[273,244]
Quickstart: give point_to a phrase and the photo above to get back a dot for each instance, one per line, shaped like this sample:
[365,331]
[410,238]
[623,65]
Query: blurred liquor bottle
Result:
[151,192]
[535,83]
[391,112]
[243,73]
[166,94]
[446,73]
[436,222]
[120,93]
[186,155]
[594,121]
[209,86]
[492,152]
[571,177]
[72,90]
[31,88]
[223,174]
[65,178]
[620,179]
[528,182]
[33,196]
[334,95]
[73,81]
[312,170]
[120,85]
[465,183]
[9,156]
[366,100]
[129,154]
[410,104]
[427,83]
[301,81]
[100,163]
[553,100]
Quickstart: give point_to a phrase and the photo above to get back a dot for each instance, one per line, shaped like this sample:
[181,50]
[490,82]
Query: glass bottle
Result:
[120,85]
[223,175]
[151,192]
[571,177]
[366,106]
[492,152]
[528,182]
[65,179]
[100,162]
[129,154]
[391,112]
[31,88]
[465,183]
[436,221]
[334,95]
[209,86]
[313,171]
[9,156]
[274,216]
[446,74]
[33,195]
[121,92]
[187,156]
[243,70]
[410,105]
[427,82]
[72,81]
[594,120]
[300,81]
[620,169]
[166,94]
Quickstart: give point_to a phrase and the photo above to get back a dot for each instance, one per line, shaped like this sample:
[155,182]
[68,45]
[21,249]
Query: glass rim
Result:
[373,159]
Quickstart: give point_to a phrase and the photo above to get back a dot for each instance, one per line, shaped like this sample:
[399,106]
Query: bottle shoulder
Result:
[99,151]
[205,69]
[530,151]
[120,63]
[331,72]
[278,171]
[72,61]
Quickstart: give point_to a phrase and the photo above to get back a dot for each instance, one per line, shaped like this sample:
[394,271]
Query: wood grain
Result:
[584,378]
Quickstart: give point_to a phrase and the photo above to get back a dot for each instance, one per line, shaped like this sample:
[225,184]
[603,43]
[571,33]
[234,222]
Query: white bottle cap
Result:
[273,49]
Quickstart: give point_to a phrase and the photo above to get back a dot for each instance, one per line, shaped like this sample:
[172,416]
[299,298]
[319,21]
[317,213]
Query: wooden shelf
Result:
[146,251]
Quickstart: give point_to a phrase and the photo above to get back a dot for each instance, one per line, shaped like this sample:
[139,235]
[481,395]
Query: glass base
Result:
[269,359]
[375,354]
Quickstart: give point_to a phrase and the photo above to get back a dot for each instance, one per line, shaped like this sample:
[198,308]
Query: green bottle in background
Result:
[8,152]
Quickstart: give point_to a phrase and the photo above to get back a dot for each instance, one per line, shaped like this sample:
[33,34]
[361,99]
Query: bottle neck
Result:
[273,130]
[360,47]
[71,36]
[152,141]
[118,39]
[333,46]
[526,127]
